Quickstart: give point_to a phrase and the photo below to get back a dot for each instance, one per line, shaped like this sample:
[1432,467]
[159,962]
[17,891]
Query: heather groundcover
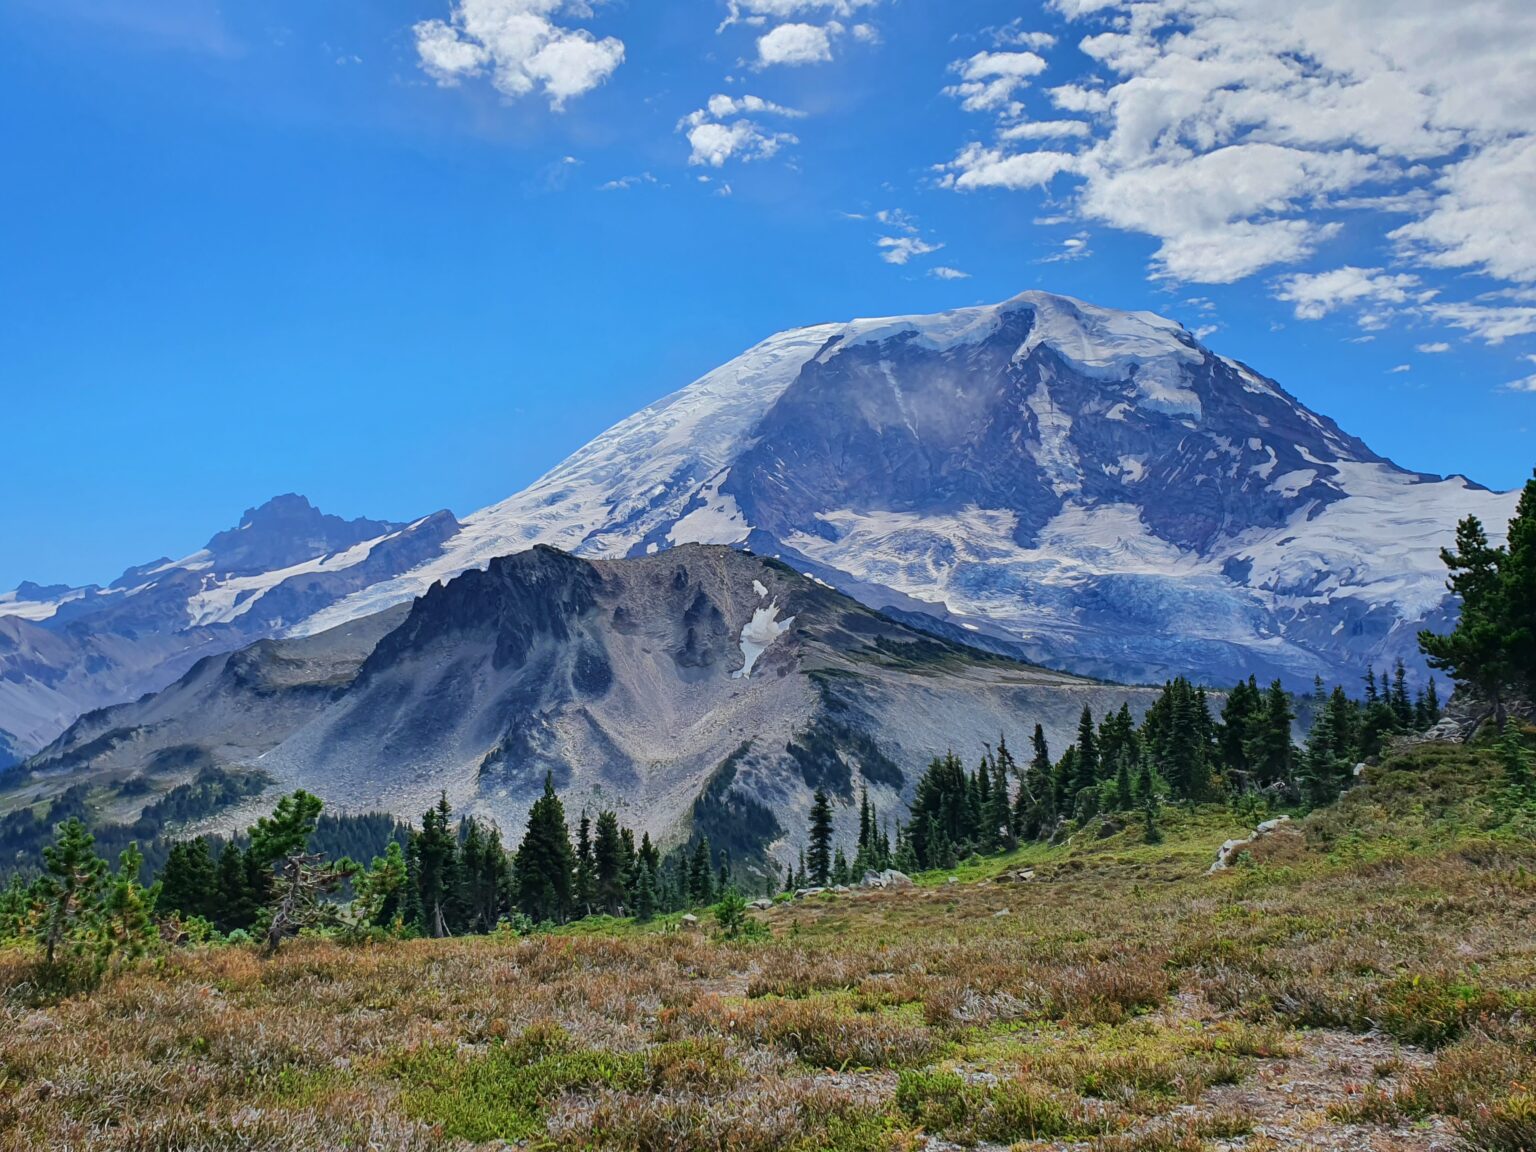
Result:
[1361,978]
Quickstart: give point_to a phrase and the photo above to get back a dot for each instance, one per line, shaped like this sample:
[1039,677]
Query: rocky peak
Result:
[288,530]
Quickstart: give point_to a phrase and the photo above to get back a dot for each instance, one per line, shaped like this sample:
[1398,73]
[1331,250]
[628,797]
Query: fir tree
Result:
[701,884]
[586,867]
[379,893]
[70,887]
[608,860]
[818,856]
[545,864]
[127,927]
[189,881]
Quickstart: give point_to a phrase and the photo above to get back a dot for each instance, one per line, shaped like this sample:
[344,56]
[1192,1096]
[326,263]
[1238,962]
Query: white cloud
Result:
[990,81]
[720,131]
[624,183]
[1317,294]
[1526,385]
[1238,132]
[795,44]
[762,11]
[1491,323]
[944,272]
[901,249]
[1434,349]
[1401,368]
[518,44]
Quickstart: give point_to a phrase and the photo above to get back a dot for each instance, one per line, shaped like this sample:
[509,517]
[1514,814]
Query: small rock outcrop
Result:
[1228,851]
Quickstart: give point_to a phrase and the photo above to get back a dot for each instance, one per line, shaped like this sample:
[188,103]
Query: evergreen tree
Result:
[1087,766]
[1478,651]
[127,927]
[1125,798]
[1151,832]
[997,820]
[818,856]
[1273,754]
[435,849]
[70,887]
[1516,759]
[586,868]
[379,893]
[701,884]
[239,898]
[1402,705]
[608,861]
[839,866]
[189,881]
[545,865]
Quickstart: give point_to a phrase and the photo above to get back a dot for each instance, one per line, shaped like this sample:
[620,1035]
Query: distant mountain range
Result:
[1087,489]
[704,687]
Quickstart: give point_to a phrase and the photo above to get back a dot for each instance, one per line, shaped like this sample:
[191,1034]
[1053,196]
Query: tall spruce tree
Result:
[818,856]
[545,864]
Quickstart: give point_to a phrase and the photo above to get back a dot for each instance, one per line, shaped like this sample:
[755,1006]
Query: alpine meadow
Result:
[1088,707]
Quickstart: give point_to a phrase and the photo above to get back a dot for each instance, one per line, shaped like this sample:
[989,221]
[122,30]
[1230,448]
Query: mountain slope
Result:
[701,686]
[67,651]
[1091,489]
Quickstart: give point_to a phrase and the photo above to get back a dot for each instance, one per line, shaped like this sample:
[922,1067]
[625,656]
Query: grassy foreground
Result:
[1362,979]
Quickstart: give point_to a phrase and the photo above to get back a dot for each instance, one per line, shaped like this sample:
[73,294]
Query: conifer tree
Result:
[1087,766]
[127,926]
[1273,753]
[379,893]
[818,856]
[70,887]
[586,867]
[997,820]
[701,883]
[189,883]
[545,864]
[608,861]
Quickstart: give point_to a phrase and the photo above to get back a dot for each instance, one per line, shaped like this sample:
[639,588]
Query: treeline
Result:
[1182,750]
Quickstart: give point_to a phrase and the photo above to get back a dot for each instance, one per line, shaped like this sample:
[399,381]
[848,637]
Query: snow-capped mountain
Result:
[1091,489]
[65,651]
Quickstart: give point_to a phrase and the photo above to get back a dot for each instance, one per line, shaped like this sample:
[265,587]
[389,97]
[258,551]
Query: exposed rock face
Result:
[67,651]
[1094,490]
[645,685]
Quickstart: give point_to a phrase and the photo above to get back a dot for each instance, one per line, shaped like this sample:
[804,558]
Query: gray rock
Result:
[891,878]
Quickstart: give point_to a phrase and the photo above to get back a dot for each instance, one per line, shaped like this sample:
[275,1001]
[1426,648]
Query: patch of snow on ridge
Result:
[1109,345]
[221,602]
[717,521]
[757,634]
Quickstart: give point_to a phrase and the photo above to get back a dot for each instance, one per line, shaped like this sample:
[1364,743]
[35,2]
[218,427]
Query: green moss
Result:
[502,1093]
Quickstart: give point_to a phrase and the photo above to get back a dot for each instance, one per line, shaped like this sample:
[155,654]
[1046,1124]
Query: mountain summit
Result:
[1092,489]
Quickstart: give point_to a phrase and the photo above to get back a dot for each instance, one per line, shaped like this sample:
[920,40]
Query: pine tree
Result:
[1402,706]
[1478,651]
[379,893]
[608,861]
[997,820]
[1516,759]
[839,866]
[1125,798]
[818,857]
[701,883]
[240,890]
[1151,832]
[586,868]
[70,887]
[435,850]
[189,882]
[127,927]
[545,865]
[1273,754]
[1087,753]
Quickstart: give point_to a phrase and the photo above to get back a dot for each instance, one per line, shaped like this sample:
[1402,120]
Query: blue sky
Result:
[409,254]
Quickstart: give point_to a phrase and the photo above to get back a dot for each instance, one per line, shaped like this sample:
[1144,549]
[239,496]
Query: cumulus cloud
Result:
[990,81]
[796,44]
[723,130]
[520,46]
[1237,133]
[1317,294]
[944,272]
[1435,349]
[763,11]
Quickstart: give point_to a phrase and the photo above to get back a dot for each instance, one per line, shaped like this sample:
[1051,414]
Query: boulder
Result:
[762,905]
[803,893]
[1000,913]
[891,878]
[1229,851]
[840,888]
[690,920]
[953,880]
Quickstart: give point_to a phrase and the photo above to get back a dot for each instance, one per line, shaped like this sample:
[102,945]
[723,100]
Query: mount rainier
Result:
[1088,489]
